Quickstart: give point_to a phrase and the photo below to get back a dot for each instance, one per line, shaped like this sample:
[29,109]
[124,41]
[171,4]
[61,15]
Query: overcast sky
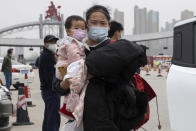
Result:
[20,11]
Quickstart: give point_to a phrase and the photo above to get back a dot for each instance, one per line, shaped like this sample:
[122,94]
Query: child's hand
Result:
[64,84]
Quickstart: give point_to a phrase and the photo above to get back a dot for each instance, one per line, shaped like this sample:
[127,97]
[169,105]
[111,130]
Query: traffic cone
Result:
[22,117]
[159,71]
[147,70]
[28,92]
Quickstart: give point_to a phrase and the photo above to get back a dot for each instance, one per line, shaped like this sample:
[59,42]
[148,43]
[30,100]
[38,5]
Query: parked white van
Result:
[181,81]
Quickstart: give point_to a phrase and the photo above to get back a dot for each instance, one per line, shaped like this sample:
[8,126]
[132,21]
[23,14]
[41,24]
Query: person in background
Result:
[7,68]
[51,99]
[115,32]
[37,62]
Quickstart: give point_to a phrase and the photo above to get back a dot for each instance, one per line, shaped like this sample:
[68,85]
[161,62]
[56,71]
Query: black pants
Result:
[51,120]
[96,110]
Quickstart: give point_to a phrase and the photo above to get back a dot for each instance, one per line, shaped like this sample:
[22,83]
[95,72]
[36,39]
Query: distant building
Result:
[169,26]
[153,27]
[168,43]
[153,21]
[140,20]
[119,16]
[147,22]
[186,14]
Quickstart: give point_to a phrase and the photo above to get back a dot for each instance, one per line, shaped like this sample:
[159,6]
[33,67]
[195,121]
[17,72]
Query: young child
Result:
[71,59]
[75,27]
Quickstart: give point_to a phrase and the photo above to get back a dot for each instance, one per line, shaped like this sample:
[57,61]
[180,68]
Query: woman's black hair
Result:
[70,19]
[97,8]
[114,26]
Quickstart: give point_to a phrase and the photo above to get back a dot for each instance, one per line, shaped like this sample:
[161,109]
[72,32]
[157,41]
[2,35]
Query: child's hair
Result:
[70,19]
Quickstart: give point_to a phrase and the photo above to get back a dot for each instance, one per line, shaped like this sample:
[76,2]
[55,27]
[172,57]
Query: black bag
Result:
[126,124]
[121,58]
[128,106]
[115,64]
[56,87]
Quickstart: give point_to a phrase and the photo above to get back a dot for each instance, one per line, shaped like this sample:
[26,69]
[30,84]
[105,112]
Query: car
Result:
[33,65]
[181,80]
[18,73]
[6,109]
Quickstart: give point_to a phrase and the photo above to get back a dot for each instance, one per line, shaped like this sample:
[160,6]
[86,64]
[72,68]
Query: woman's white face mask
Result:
[97,34]
[52,47]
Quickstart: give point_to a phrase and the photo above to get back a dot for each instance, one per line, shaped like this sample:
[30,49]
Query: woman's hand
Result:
[64,84]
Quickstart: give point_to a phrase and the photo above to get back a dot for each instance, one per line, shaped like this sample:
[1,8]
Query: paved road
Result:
[158,84]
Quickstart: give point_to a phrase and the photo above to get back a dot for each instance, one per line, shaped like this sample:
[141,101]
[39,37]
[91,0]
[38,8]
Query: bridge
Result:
[29,25]
[21,42]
